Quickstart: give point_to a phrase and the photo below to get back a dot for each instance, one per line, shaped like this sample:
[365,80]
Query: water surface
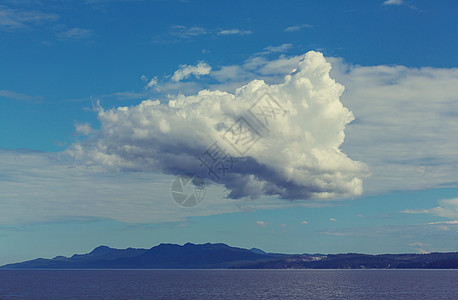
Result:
[229,284]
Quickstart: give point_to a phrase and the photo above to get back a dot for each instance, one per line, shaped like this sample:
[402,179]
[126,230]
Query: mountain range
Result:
[222,256]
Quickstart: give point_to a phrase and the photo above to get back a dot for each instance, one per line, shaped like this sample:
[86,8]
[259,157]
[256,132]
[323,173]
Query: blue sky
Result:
[73,76]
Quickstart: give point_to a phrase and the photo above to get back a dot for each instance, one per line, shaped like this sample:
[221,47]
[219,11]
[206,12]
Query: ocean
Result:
[229,284]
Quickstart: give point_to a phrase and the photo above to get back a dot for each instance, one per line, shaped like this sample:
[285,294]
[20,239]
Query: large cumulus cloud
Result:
[294,148]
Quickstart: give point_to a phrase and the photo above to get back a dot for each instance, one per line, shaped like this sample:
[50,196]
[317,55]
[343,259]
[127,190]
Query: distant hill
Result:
[217,256]
[361,261]
[256,250]
[163,256]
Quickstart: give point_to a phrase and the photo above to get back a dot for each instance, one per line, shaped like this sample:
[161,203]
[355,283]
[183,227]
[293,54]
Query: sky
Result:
[307,126]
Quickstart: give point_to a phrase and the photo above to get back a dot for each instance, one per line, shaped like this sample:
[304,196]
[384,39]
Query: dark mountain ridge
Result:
[218,256]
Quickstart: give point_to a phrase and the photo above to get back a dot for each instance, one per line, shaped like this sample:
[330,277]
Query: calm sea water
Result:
[229,284]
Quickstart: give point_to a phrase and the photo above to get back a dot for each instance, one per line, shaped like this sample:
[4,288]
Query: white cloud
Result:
[11,18]
[261,224]
[405,129]
[185,71]
[406,124]
[448,208]
[298,156]
[234,31]
[297,27]
[74,34]
[332,220]
[152,82]
[83,129]
[392,2]
[275,49]
[454,222]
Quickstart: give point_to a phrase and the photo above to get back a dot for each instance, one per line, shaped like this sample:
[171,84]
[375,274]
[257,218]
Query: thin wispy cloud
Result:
[123,95]
[261,224]
[417,244]
[295,28]
[454,222]
[234,31]
[14,18]
[117,96]
[47,187]
[414,211]
[74,34]
[393,2]
[179,33]
[278,49]
[184,32]
[18,18]
[20,97]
